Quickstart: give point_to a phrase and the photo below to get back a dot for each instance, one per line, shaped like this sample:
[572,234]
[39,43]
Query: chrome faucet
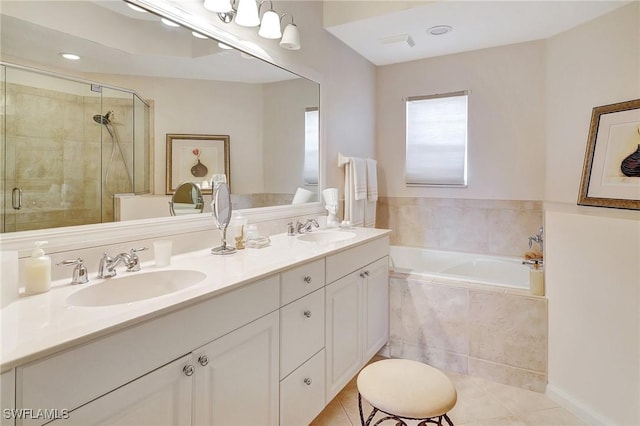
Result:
[537,239]
[302,228]
[107,267]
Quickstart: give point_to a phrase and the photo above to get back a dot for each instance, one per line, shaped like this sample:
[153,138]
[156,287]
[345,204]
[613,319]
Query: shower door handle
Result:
[16,198]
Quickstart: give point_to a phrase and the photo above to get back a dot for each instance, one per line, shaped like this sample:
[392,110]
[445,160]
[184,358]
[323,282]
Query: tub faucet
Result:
[107,267]
[537,239]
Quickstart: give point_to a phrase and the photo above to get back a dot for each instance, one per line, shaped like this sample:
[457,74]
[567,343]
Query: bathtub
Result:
[449,266]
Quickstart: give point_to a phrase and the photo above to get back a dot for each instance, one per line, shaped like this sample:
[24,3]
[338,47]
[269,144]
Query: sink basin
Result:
[135,287]
[326,236]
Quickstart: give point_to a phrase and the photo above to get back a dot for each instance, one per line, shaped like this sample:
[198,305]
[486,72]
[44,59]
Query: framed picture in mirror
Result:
[611,171]
[198,159]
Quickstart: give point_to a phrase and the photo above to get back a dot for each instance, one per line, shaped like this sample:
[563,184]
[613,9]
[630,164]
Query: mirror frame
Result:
[85,236]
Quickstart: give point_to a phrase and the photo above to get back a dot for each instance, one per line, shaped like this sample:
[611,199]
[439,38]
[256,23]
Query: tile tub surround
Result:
[498,227]
[500,336]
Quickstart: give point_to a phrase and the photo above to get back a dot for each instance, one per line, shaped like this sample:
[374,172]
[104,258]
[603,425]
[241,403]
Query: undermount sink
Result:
[135,287]
[326,236]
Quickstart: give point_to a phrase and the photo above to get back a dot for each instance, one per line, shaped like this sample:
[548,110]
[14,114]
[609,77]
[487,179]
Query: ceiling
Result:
[476,24]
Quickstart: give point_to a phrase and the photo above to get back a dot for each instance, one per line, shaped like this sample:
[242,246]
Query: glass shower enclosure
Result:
[69,147]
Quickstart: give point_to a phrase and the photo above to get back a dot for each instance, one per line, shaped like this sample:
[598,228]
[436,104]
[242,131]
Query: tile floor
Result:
[480,402]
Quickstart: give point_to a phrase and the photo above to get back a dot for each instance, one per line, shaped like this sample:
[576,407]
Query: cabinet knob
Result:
[307,314]
[307,279]
[188,370]
[361,274]
[366,273]
[307,381]
[203,360]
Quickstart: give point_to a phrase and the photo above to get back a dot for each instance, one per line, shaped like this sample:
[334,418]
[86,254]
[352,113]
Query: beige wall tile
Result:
[508,329]
[501,373]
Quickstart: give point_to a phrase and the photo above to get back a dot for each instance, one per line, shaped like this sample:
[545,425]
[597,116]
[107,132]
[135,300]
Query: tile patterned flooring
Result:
[480,402]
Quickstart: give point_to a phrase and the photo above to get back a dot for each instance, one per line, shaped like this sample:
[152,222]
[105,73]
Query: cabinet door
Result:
[343,331]
[7,397]
[376,307]
[302,393]
[238,383]
[162,397]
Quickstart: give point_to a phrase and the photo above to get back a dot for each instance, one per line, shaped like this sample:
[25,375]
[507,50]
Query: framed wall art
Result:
[198,159]
[611,171]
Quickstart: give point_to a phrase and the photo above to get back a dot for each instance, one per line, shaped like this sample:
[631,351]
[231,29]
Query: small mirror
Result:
[222,214]
[186,200]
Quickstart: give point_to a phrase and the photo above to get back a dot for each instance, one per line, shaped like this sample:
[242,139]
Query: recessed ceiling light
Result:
[169,23]
[136,8]
[70,56]
[198,35]
[440,29]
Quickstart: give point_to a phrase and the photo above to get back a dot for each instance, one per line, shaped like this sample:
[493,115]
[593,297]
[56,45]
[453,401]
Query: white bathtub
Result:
[500,271]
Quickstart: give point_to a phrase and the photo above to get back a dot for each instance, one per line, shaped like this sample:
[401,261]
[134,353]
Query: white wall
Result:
[506,120]
[592,254]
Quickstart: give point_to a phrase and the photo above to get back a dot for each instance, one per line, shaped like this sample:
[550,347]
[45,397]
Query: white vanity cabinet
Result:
[7,397]
[357,310]
[236,377]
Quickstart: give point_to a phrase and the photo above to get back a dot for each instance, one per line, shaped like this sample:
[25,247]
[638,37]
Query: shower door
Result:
[51,172]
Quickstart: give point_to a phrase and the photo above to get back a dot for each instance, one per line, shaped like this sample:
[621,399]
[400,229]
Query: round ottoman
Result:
[405,389]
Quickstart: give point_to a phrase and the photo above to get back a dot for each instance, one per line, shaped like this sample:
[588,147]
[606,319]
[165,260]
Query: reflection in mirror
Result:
[192,87]
[222,214]
[186,200]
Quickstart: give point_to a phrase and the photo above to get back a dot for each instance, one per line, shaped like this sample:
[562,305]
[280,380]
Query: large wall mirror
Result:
[84,130]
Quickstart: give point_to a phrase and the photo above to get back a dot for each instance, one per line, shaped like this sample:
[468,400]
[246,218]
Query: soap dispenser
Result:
[37,271]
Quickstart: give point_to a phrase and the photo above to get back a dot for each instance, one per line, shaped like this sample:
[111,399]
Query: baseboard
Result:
[578,408]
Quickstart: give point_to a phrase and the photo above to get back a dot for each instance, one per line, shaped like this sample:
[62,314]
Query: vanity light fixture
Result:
[198,35]
[270,24]
[219,6]
[70,56]
[247,14]
[169,23]
[136,8]
[290,35]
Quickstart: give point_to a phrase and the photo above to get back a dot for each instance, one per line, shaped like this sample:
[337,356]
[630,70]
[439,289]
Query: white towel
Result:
[353,208]
[372,180]
[372,194]
[359,169]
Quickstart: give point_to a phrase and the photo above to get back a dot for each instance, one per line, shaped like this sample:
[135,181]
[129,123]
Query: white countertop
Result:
[39,325]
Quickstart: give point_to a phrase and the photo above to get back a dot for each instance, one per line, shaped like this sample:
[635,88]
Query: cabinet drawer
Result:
[301,280]
[302,393]
[76,376]
[345,262]
[301,331]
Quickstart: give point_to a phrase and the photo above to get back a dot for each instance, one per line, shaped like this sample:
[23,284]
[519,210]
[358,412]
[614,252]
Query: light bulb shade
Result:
[290,37]
[270,26]
[219,6]
[247,15]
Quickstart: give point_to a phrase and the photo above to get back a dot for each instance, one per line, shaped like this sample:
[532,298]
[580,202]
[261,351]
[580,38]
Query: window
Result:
[436,145]
[311,144]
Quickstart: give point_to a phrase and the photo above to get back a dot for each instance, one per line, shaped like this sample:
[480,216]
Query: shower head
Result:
[102,119]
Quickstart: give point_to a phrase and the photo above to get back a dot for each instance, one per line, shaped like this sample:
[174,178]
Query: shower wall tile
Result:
[508,330]
[499,227]
[445,360]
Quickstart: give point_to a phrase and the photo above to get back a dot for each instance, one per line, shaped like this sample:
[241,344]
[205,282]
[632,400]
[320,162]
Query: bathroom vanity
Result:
[268,337]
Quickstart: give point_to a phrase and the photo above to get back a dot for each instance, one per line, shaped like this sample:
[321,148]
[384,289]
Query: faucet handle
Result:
[134,266]
[80,274]
[291,230]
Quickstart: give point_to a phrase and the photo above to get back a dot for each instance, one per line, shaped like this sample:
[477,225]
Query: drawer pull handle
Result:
[307,279]
[307,381]
[203,360]
[307,314]
[188,370]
